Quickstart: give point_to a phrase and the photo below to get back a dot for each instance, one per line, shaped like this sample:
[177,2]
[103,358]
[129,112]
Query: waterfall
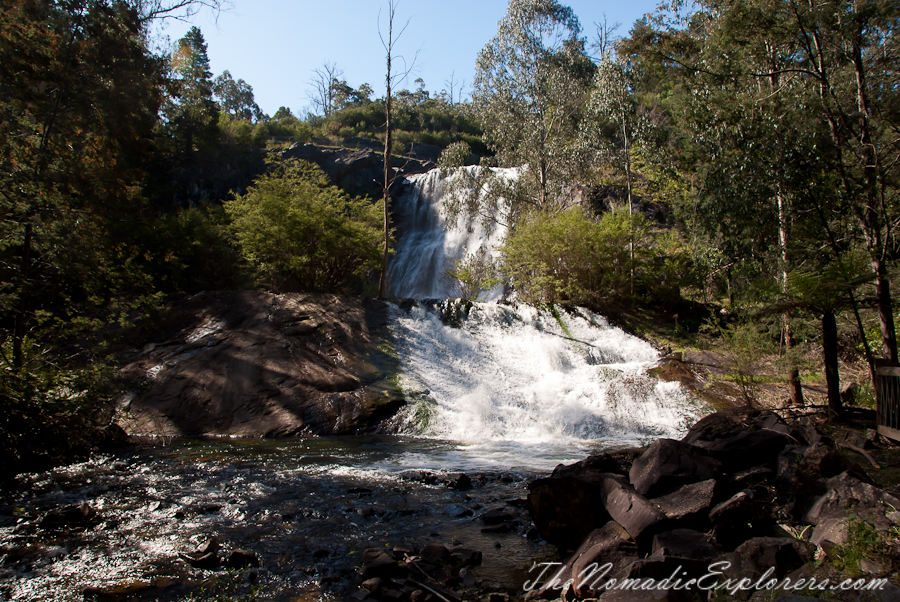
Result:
[514,383]
[426,248]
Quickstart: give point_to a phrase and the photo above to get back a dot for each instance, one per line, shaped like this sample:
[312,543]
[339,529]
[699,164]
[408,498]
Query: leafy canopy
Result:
[301,232]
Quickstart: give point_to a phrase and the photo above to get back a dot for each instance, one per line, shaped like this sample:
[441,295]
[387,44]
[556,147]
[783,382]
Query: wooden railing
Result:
[887,395]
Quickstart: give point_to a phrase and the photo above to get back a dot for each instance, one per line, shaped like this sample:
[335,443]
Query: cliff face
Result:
[359,171]
[260,364]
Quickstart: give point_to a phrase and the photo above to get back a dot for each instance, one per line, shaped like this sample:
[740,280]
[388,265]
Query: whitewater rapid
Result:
[526,382]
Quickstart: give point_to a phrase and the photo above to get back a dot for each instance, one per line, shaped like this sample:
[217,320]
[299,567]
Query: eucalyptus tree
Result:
[831,68]
[193,113]
[614,122]
[530,84]
[236,97]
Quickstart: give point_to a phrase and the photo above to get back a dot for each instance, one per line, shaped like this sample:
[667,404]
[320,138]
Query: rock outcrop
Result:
[736,490]
[259,364]
[358,171]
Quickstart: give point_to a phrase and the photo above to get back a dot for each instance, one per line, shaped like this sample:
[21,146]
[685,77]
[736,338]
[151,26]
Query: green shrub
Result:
[47,412]
[473,275]
[303,233]
[567,257]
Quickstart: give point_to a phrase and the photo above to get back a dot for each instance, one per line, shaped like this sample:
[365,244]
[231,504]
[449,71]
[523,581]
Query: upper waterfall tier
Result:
[427,248]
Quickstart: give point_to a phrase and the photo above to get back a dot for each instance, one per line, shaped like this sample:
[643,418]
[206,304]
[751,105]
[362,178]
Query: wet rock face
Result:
[717,496]
[258,364]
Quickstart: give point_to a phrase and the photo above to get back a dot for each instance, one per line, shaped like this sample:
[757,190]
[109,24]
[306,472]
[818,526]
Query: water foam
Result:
[516,380]
[427,247]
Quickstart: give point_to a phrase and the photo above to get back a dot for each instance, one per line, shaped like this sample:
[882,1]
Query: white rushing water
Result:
[522,386]
[426,248]
[514,385]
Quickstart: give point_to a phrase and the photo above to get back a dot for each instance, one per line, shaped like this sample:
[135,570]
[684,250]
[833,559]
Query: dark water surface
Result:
[306,507]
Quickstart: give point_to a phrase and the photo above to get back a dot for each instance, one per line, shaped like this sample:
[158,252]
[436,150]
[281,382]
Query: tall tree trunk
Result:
[794,387]
[830,356]
[630,210]
[388,141]
[22,312]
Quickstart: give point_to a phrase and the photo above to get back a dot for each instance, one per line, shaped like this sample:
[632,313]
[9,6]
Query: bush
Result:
[473,274]
[566,257]
[302,233]
[47,412]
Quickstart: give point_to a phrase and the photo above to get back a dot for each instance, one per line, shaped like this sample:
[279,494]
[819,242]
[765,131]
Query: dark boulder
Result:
[668,464]
[434,553]
[565,510]
[739,517]
[602,554]
[237,559]
[73,516]
[747,449]
[684,543]
[635,513]
[690,504]
[782,554]
[590,468]
[375,563]
[848,494]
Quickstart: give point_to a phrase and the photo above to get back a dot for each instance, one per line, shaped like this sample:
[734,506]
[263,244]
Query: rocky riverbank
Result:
[304,518]
[747,493]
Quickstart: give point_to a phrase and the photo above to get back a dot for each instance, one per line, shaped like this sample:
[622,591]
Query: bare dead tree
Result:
[452,86]
[604,44]
[178,10]
[391,80]
[323,80]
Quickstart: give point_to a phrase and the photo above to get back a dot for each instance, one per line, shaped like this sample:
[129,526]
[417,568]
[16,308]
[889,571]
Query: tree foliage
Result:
[530,84]
[302,233]
[567,257]
[235,98]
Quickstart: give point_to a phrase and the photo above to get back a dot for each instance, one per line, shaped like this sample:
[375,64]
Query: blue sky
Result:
[274,45]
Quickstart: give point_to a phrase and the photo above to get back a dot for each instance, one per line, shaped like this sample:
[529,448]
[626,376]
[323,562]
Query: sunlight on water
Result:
[515,384]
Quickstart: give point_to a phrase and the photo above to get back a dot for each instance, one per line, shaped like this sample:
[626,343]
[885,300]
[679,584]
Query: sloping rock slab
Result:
[258,364]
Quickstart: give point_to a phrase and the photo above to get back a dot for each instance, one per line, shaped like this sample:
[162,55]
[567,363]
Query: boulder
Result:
[746,449]
[496,517]
[635,513]
[781,554]
[375,563]
[684,543]
[590,468]
[465,556]
[72,516]
[668,464]
[609,545]
[565,509]
[848,494]
[830,532]
[434,553]
[237,559]
[718,425]
[738,518]
[690,504]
